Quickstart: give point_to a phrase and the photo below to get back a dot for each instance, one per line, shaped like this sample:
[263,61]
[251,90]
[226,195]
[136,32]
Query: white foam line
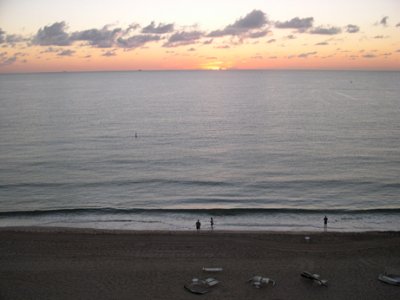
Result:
[346,96]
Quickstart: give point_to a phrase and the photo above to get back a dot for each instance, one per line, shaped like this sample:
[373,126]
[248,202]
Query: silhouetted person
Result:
[212,223]
[198,225]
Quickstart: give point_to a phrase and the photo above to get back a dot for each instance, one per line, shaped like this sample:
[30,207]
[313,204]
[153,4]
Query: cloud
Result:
[290,37]
[5,60]
[2,36]
[326,30]
[109,53]
[137,41]
[296,23]
[11,39]
[307,54]
[352,28]
[384,21]
[101,38]
[398,25]
[15,38]
[252,21]
[258,34]
[51,50]
[66,52]
[322,44]
[105,37]
[59,51]
[380,37]
[160,29]
[369,55]
[222,47]
[271,41]
[20,54]
[183,38]
[52,35]
[131,27]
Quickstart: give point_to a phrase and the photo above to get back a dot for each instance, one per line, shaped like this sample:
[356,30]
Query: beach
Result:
[59,263]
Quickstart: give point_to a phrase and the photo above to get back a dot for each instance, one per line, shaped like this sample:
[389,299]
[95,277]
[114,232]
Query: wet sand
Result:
[88,264]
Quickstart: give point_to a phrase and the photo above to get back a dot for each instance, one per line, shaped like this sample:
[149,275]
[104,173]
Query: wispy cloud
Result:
[352,28]
[381,37]
[2,36]
[66,52]
[51,50]
[137,41]
[11,39]
[257,56]
[222,47]
[109,53]
[160,29]
[330,30]
[306,54]
[6,60]
[290,37]
[258,34]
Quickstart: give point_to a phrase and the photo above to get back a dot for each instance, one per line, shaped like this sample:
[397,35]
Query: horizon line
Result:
[197,70]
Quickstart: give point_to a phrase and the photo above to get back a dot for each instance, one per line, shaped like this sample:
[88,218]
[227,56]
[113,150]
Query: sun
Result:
[214,66]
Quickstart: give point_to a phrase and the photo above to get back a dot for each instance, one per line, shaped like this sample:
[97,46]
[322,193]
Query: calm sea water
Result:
[158,150]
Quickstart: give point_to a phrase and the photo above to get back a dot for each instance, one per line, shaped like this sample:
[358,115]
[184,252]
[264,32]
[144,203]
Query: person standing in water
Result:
[212,223]
[325,223]
[198,225]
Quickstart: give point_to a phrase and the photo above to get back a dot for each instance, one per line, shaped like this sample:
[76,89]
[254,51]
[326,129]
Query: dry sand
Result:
[89,264]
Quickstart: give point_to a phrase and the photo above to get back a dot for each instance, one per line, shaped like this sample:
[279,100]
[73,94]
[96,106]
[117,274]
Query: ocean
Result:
[157,150]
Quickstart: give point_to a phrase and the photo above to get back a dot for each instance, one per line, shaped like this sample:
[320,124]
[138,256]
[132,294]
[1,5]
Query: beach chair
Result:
[315,278]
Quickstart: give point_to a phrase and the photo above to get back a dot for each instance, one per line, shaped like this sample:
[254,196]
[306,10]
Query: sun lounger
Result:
[212,269]
[259,281]
[200,286]
[315,278]
[196,288]
[390,278]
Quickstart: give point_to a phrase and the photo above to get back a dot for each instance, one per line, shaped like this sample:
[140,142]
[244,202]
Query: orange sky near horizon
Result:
[257,38]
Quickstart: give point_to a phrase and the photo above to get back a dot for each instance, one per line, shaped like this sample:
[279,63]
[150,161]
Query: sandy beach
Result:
[88,264]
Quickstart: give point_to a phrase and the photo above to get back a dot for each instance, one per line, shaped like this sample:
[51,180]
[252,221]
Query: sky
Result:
[89,35]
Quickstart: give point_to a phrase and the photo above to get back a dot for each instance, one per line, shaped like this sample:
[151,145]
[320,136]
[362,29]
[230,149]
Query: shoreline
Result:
[207,231]
[65,263]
